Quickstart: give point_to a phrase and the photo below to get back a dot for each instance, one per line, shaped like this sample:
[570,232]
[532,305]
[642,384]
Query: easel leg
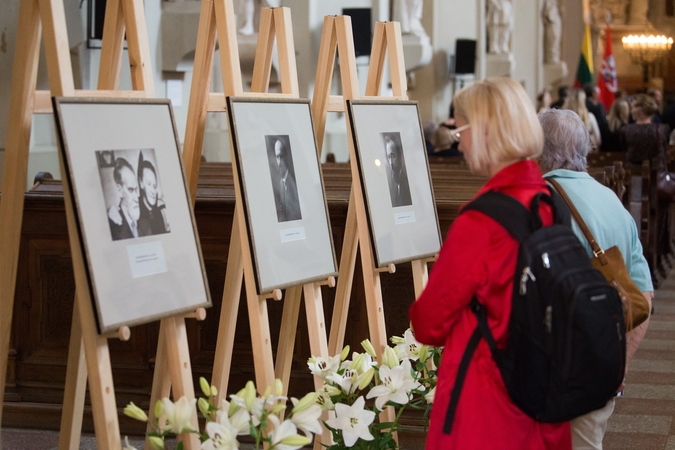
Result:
[161,383]
[75,389]
[420,272]
[175,340]
[343,292]
[21,104]
[234,276]
[316,324]
[289,326]
[101,389]
[259,323]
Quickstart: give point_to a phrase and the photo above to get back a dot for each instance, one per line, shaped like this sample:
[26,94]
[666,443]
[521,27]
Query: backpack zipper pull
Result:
[527,273]
[545,260]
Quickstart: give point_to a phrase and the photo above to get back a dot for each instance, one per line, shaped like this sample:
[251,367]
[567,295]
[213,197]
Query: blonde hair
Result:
[504,124]
[618,114]
[576,102]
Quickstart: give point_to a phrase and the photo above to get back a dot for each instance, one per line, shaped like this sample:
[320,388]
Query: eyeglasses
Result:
[456,133]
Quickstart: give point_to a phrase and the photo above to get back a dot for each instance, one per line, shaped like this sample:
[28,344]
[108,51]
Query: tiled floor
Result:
[643,417]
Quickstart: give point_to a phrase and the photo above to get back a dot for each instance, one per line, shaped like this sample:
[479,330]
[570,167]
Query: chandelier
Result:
[646,49]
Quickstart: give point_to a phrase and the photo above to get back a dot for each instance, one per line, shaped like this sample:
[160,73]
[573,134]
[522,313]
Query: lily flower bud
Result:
[368,347]
[305,402]
[135,412]
[159,409]
[345,353]
[366,378]
[156,443]
[206,387]
[203,406]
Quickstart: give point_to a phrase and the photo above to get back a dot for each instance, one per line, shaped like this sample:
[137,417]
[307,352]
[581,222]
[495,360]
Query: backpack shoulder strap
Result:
[482,331]
[506,210]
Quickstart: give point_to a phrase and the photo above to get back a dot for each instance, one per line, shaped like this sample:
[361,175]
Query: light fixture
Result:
[645,50]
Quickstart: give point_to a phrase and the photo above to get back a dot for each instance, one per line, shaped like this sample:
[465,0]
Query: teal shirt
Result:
[609,221]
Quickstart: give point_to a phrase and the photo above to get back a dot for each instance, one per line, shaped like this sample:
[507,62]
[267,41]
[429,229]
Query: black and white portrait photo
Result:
[133,193]
[397,176]
[283,178]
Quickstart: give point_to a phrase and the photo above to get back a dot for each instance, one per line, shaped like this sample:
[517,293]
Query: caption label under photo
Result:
[404,217]
[146,259]
[292,234]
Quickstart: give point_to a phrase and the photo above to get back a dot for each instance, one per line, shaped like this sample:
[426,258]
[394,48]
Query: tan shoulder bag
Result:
[611,263]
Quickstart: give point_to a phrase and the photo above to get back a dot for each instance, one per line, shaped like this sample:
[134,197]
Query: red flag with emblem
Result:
[607,81]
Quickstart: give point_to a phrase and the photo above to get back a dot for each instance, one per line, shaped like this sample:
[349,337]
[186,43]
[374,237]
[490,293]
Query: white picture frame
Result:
[288,226]
[395,180]
[140,244]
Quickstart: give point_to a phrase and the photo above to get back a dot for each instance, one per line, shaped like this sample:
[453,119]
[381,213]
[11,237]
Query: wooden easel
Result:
[218,16]
[85,344]
[337,35]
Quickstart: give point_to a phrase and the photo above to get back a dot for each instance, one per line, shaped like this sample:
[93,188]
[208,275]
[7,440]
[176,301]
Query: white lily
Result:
[222,435]
[347,382]
[239,418]
[361,363]
[285,435]
[410,348]
[395,387]
[322,367]
[307,420]
[324,401]
[178,414]
[353,421]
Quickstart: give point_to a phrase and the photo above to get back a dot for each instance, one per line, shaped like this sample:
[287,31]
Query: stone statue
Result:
[552,30]
[248,14]
[409,14]
[499,23]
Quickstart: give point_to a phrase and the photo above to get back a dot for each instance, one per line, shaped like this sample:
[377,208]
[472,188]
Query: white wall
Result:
[445,22]
[528,46]
[43,154]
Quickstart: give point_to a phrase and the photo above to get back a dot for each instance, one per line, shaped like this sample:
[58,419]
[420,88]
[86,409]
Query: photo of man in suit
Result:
[282,173]
[397,176]
[128,208]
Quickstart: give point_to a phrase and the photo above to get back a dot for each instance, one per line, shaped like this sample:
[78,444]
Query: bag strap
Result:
[506,210]
[482,330]
[459,380]
[514,216]
[597,250]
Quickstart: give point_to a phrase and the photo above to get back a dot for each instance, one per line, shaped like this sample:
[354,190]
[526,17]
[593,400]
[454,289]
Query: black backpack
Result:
[566,346]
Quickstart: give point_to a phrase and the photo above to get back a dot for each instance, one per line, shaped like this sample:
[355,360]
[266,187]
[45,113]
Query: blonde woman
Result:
[576,102]
[500,137]
[618,116]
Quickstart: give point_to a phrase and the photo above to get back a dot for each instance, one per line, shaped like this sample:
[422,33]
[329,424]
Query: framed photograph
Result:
[284,200]
[394,174]
[124,173]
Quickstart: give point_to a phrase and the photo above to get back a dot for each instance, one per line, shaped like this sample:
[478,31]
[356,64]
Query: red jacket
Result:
[479,257]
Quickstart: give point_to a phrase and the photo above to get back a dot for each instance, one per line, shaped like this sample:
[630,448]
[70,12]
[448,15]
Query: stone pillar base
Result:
[499,65]
[554,73]
[417,51]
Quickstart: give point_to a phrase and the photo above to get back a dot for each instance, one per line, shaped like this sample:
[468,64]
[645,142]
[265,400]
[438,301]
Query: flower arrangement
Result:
[405,376]
[247,414]
[354,390]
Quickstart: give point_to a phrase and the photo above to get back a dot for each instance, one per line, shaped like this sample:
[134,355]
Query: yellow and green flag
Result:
[585,70]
